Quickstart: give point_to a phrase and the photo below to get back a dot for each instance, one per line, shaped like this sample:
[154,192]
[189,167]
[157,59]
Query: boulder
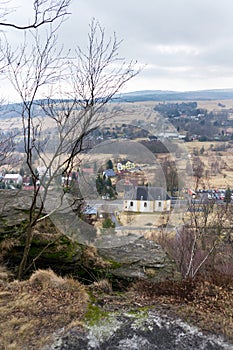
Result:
[14,210]
[133,256]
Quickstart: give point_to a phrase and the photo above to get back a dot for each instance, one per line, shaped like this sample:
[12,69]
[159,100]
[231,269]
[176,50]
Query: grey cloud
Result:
[178,39]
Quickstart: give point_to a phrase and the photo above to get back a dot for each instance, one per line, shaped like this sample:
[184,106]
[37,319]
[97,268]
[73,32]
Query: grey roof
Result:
[90,210]
[145,193]
[109,173]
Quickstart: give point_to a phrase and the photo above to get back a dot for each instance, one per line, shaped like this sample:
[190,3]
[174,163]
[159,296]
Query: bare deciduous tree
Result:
[198,244]
[6,148]
[171,175]
[85,84]
[208,228]
[198,171]
[44,12]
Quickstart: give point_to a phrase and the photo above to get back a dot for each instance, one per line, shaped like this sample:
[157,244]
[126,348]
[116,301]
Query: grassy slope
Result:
[31,311]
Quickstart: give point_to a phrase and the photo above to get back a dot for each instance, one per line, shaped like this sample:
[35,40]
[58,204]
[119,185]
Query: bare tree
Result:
[171,175]
[198,171]
[44,12]
[204,233]
[91,79]
[6,148]
[198,245]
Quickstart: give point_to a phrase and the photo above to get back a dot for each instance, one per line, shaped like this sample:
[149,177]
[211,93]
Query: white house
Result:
[14,179]
[44,171]
[125,165]
[146,199]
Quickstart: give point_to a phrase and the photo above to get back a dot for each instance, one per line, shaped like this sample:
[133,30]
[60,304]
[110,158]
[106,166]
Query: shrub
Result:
[180,289]
[103,286]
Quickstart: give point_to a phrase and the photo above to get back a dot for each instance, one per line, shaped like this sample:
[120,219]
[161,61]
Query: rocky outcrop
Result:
[141,330]
[128,257]
[133,256]
[14,209]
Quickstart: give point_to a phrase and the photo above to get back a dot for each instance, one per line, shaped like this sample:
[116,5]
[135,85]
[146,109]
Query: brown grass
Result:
[205,303]
[6,245]
[90,258]
[45,279]
[223,178]
[31,311]
[5,274]
[102,286]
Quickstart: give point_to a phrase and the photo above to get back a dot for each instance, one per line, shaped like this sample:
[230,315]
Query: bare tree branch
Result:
[45,11]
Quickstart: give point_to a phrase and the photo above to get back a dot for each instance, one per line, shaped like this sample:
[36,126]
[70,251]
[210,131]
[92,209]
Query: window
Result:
[159,204]
[145,205]
[131,204]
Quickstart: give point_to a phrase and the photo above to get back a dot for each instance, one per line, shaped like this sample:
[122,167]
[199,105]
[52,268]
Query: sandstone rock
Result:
[134,256]
[14,208]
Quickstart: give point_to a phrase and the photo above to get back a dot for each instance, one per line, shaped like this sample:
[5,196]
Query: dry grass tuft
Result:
[6,245]
[45,279]
[91,258]
[31,311]
[74,324]
[5,274]
[103,286]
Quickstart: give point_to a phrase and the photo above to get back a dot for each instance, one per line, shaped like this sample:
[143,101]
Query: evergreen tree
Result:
[227,198]
[107,223]
[109,164]
[109,182]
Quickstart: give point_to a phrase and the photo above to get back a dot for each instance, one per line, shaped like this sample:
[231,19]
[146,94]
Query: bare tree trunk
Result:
[27,246]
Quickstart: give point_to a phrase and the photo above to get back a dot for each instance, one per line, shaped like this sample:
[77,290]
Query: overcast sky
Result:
[185,44]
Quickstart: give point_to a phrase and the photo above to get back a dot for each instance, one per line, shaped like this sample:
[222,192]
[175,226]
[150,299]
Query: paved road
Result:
[106,205]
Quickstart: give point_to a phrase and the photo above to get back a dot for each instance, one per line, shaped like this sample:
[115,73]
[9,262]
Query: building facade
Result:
[144,199]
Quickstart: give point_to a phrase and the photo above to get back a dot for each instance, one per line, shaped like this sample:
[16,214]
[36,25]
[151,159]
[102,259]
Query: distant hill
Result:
[161,95]
[14,110]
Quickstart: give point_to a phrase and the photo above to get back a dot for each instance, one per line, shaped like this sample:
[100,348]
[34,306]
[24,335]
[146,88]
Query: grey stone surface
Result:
[139,331]
[14,206]
[137,257]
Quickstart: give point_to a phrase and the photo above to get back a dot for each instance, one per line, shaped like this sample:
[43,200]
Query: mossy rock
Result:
[134,257]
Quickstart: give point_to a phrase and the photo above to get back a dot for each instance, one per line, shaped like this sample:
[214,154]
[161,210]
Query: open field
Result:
[124,112]
[214,104]
[223,159]
[138,220]
[127,113]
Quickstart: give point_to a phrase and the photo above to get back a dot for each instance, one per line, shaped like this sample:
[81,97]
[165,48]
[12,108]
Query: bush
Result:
[107,223]
[183,290]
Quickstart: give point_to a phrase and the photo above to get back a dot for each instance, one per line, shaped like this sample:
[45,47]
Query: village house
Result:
[43,171]
[125,165]
[13,179]
[144,199]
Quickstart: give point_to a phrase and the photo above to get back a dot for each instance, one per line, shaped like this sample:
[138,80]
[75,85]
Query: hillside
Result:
[14,109]
[160,95]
